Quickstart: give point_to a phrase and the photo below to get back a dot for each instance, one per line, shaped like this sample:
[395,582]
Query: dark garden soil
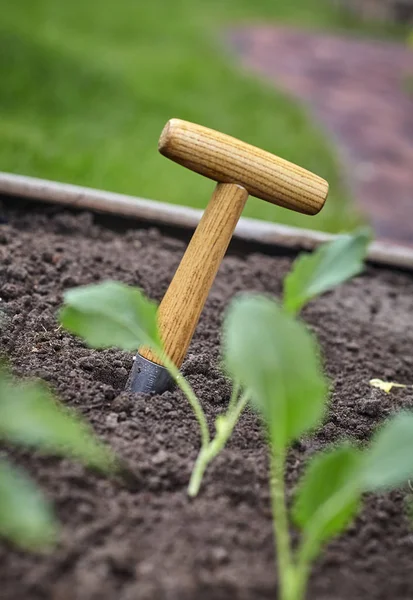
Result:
[144,540]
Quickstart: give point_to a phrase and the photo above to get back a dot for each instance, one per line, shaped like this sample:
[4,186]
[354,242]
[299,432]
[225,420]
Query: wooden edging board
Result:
[250,230]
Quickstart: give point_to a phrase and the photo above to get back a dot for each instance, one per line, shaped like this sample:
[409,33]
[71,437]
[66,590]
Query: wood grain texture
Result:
[184,300]
[228,160]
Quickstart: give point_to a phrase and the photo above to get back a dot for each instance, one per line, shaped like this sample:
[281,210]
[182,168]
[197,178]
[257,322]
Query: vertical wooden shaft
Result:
[184,300]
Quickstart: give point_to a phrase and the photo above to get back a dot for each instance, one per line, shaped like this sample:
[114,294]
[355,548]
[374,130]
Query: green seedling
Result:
[324,269]
[31,417]
[277,360]
[113,314]
[387,386]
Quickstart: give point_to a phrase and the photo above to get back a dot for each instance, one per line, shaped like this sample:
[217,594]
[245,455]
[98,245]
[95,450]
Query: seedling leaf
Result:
[386,386]
[328,266]
[111,314]
[329,494]
[275,358]
[30,416]
[25,516]
[389,460]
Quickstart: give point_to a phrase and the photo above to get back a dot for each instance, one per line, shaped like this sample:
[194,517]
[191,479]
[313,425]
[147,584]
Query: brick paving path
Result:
[355,89]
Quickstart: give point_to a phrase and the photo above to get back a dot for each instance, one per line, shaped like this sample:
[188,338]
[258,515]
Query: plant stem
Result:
[203,459]
[184,385]
[303,570]
[234,396]
[236,412]
[207,454]
[286,570]
[209,450]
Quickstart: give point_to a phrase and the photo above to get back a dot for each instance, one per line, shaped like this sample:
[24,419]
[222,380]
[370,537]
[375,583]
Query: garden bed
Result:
[144,539]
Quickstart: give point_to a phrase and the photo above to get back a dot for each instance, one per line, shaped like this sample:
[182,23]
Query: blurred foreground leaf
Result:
[329,494]
[30,416]
[389,459]
[26,518]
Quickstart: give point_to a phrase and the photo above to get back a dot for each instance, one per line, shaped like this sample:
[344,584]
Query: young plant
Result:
[325,268]
[277,360]
[31,417]
[387,386]
[113,314]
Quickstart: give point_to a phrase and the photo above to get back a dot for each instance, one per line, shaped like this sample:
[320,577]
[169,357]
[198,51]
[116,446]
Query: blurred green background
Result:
[86,88]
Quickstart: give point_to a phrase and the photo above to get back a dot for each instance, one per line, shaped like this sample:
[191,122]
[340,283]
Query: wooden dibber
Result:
[240,169]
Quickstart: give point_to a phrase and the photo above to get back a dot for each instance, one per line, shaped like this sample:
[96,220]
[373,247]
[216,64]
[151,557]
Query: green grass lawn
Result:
[86,88]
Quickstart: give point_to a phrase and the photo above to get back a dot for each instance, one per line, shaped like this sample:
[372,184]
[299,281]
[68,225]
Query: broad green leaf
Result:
[328,496]
[276,358]
[30,416]
[389,460]
[25,516]
[328,266]
[111,314]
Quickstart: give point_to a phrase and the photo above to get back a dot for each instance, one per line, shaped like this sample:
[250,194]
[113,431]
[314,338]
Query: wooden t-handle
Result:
[228,160]
[239,169]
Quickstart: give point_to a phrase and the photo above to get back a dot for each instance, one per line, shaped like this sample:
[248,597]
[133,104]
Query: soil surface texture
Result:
[144,539]
[357,90]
